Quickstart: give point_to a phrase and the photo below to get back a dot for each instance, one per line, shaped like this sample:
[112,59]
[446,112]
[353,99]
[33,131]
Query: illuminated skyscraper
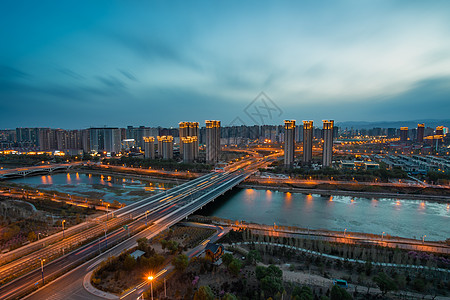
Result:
[440,130]
[307,141]
[188,147]
[420,132]
[403,134]
[212,141]
[189,129]
[327,143]
[289,142]
[149,147]
[165,146]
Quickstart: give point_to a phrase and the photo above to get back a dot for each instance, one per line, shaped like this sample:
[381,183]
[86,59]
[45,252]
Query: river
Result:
[107,188]
[396,217]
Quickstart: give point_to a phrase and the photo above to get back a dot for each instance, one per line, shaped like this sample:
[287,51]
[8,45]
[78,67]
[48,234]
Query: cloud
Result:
[11,73]
[111,82]
[70,73]
[128,75]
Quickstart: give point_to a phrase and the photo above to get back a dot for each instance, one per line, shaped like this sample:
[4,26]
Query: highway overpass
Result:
[159,212]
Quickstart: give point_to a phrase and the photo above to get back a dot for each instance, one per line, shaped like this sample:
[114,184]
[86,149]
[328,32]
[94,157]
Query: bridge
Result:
[44,169]
[146,218]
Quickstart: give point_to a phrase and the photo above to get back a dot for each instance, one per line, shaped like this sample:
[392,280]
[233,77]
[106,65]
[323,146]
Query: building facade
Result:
[289,142]
[327,152]
[307,141]
[212,141]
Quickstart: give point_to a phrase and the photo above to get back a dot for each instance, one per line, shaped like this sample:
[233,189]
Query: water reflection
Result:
[98,186]
[407,218]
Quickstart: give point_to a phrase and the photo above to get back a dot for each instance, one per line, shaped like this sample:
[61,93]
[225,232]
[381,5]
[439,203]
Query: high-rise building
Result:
[27,137]
[212,141]
[189,129]
[289,142]
[188,143]
[165,146]
[327,143]
[391,132]
[85,140]
[105,139]
[403,134]
[307,141]
[420,132]
[149,147]
[440,130]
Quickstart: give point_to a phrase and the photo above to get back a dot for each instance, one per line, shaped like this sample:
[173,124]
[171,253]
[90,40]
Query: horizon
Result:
[437,122]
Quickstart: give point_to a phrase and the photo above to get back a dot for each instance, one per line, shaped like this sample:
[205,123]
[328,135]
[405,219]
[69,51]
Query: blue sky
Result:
[74,64]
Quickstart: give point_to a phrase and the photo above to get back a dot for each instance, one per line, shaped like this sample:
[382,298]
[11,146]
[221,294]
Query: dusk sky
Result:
[75,64]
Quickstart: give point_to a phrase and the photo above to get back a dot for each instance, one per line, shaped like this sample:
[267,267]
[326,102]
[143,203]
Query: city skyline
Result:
[119,64]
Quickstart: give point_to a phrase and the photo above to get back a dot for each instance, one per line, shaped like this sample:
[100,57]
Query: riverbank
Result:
[175,175]
[127,175]
[338,192]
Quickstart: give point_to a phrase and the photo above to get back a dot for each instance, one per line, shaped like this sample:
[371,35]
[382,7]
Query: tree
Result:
[235,267]
[338,293]
[163,243]
[180,262]
[253,257]
[385,283]
[172,246]
[204,293]
[229,296]
[303,293]
[271,285]
[270,279]
[31,236]
[227,258]
[129,263]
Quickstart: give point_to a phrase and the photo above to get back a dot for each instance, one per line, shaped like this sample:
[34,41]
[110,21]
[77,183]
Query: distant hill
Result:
[393,124]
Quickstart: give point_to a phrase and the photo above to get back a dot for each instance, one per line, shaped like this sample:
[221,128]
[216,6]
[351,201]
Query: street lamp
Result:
[382,235]
[107,211]
[42,269]
[150,278]
[146,217]
[62,223]
[423,239]
[345,230]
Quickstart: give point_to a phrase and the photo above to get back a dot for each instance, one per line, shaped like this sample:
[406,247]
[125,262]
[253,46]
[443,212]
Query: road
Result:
[163,210]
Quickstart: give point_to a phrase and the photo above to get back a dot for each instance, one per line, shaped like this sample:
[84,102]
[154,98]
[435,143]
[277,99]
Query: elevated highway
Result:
[146,217]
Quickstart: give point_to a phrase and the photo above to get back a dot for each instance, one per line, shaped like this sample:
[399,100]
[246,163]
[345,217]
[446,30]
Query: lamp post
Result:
[150,278]
[146,217]
[382,235]
[62,223]
[423,239]
[107,211]
[42,269]
[345,230]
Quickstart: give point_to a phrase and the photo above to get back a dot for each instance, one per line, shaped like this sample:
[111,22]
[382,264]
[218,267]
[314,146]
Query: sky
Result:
[75,64]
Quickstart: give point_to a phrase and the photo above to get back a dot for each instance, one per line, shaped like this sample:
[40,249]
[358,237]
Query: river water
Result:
[397,217]
[107,188]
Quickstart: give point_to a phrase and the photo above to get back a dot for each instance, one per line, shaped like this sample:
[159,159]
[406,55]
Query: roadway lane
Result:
[68,286]
[167,205]
[72,239]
